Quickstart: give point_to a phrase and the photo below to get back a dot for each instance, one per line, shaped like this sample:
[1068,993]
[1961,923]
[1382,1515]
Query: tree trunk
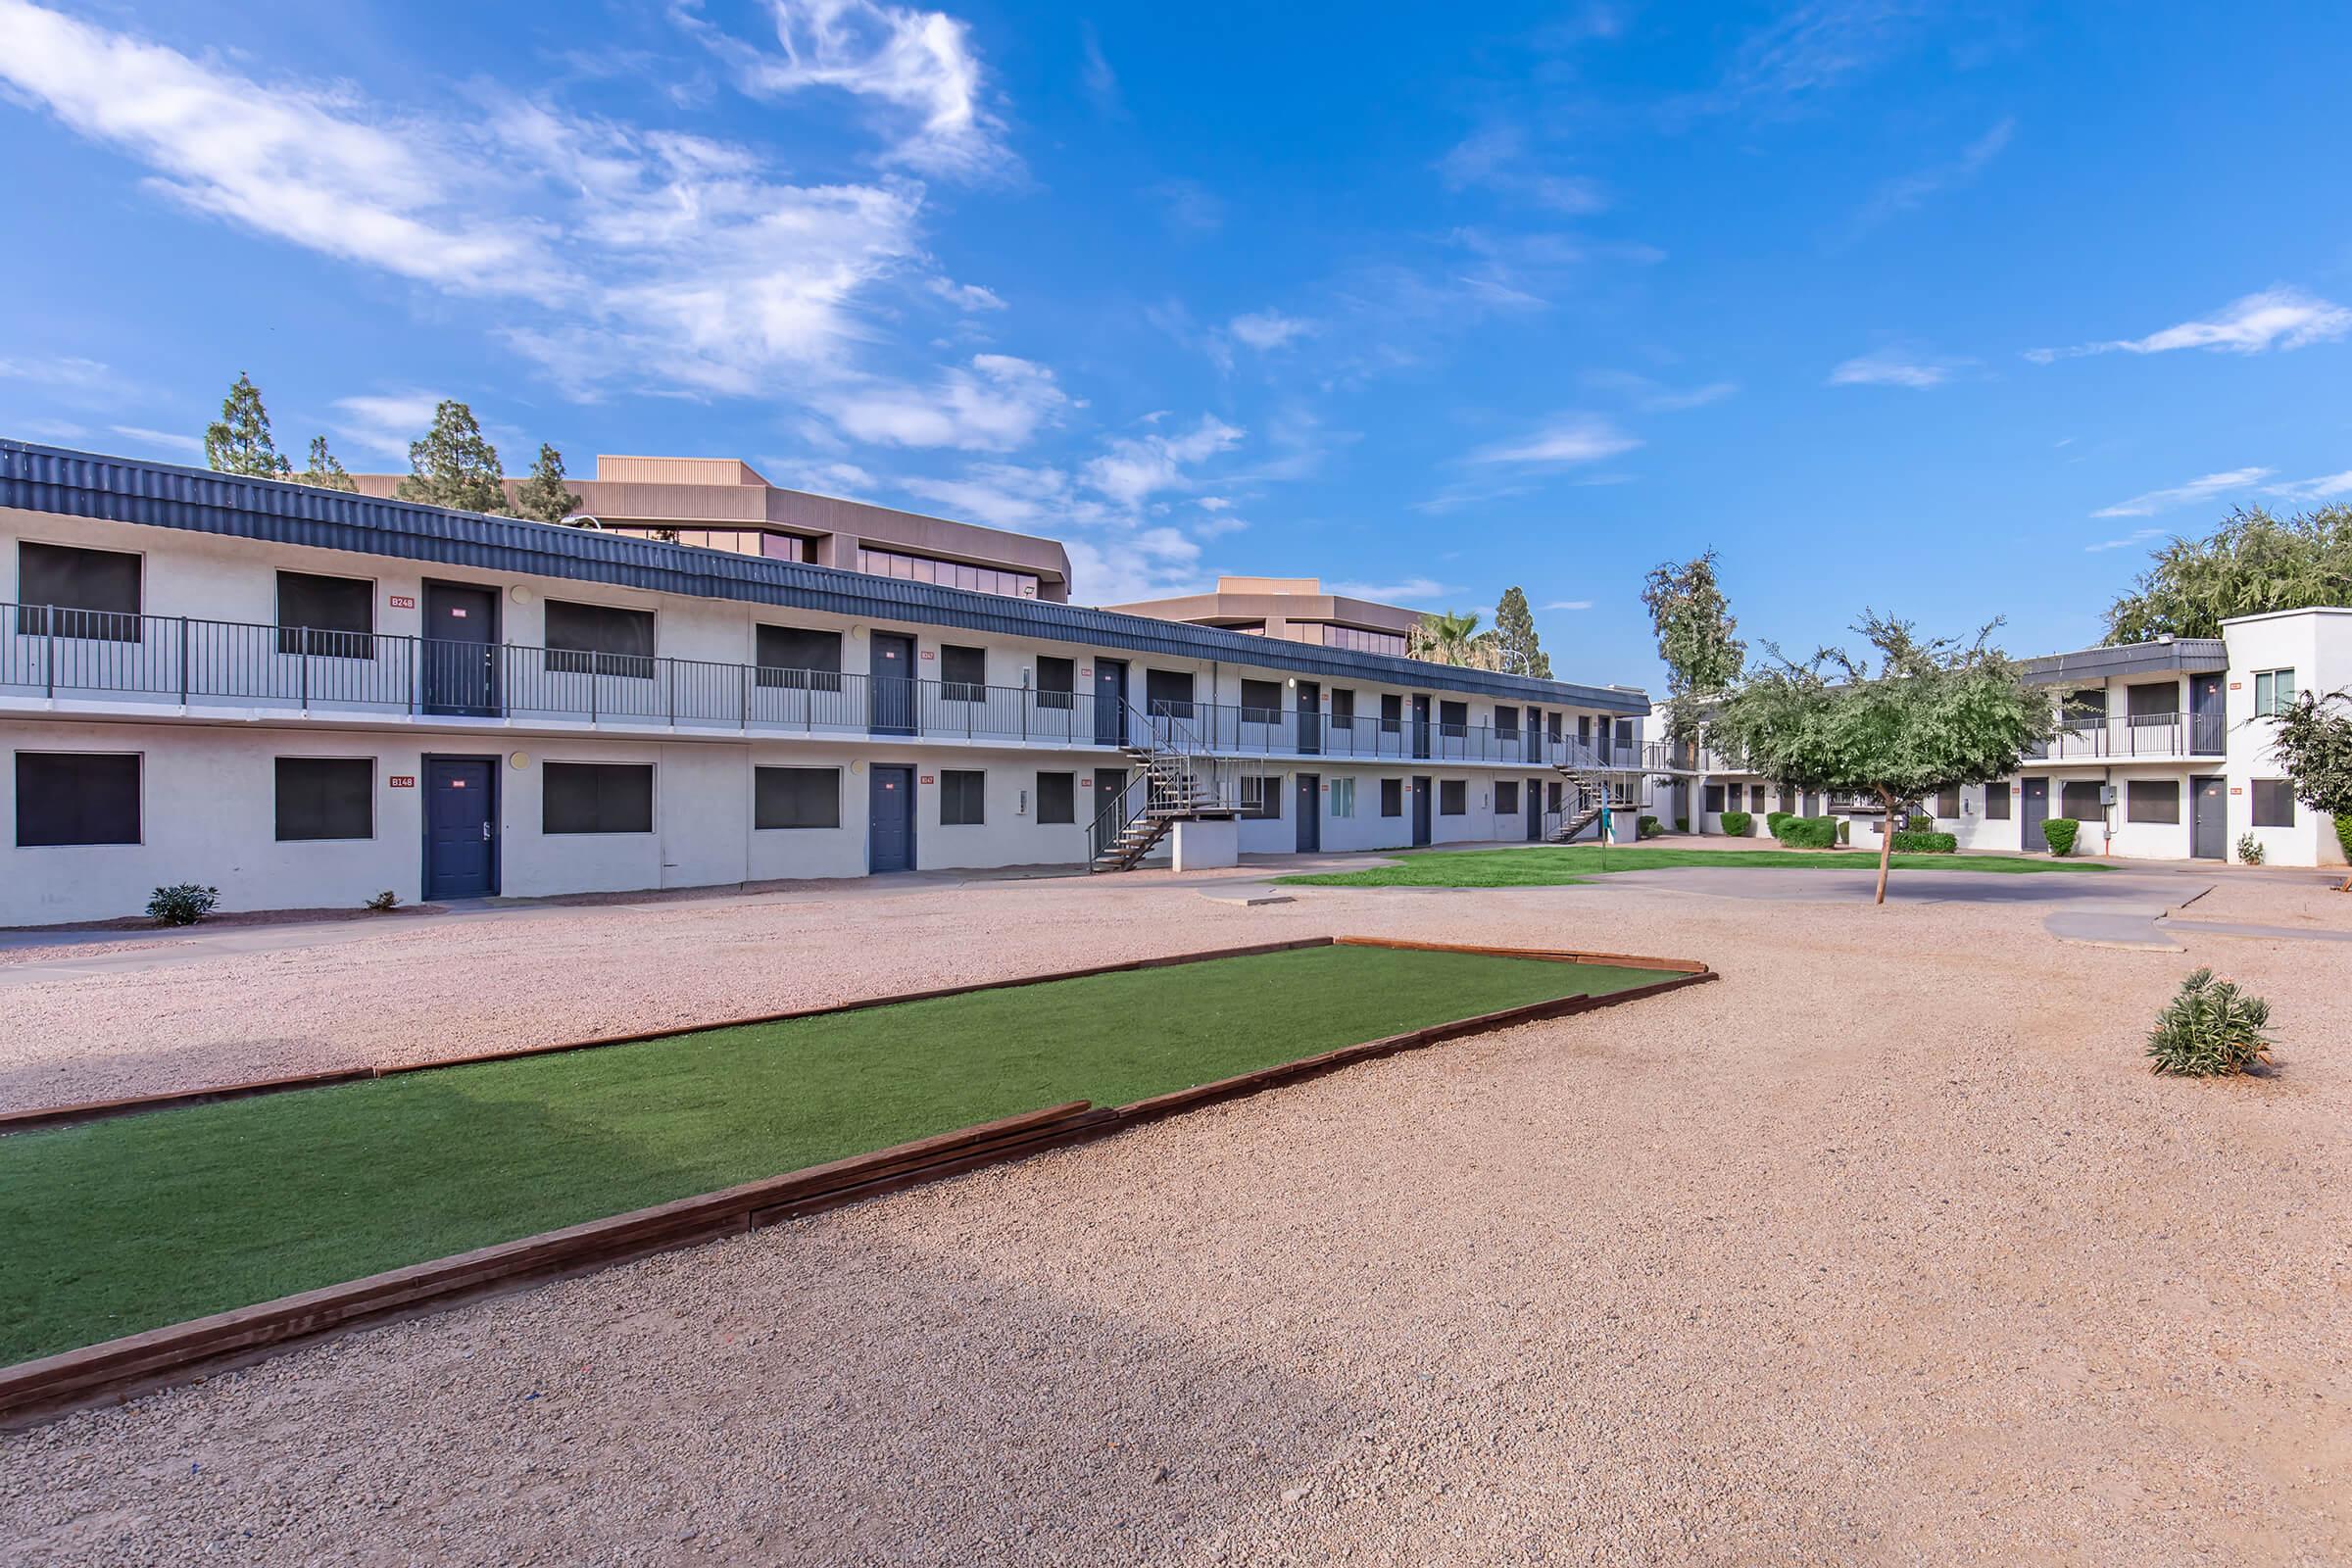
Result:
[1886,842]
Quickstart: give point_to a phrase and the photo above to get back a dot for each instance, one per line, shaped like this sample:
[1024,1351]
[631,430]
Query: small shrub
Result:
[1845,829]
[1682,824]
[182,905]
[1774,820]
[1736,823]
[1808,833]
[1925,843]
[1650,827]
[2249,848]
[2344,832]
[383,902]
[2058,832]
[1919,822]
[2210,1028]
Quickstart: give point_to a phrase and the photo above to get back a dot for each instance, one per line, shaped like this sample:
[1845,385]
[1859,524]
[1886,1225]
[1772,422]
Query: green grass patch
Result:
[124,1225]
[1559,866]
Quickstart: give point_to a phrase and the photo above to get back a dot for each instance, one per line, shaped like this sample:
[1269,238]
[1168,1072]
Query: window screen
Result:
[1056,682]
[2274,802]
[1996,802]
[1507,721]
[1506,798]
[1453,797]
[1946,805]
[95,593]
[1168,692]
[1056,799]
[599,639]
[2152,701]
[1342,706]
[962,798]
[963,674]
[1392,797]
[796,797]
[2148,799]
[1262,701]
[798,658]
[2079,800]
[1453,718]
[597,798]
[325,797]
[77,798]
[331,616]
[1714,797]
[1391,715]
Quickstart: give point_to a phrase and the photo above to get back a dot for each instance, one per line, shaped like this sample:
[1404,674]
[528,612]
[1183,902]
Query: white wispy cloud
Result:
[176,442]
[2326,487]
[384,424]
[2180,495]
[1102,84]
[2138,536]
[1569,439]
[2277,318]
[1267,330]
[1136,468]
[918,66]
[1413,592]
[1906,192]
[67,371]
[995,404]
[1570,604]
[1496,159]
[964,296]
[1653,397]
[1892,367]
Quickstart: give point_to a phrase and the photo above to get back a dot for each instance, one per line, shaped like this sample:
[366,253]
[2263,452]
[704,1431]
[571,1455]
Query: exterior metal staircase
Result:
[1167,783]
[1589,795]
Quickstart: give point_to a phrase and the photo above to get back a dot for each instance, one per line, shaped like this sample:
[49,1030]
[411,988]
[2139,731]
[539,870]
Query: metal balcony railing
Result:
[2134,735]
[1231,729]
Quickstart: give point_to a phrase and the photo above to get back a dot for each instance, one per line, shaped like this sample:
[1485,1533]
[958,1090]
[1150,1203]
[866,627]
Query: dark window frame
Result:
[307,637]
[574,660]
[1066,810]
[960,688]
[1996,793]
[97,623]
[2098,808]
[1456,790]
[2165,812]
[969,791]
[367,767]
[79,799]
[1063,696]
[548,772]
[1512,806]
[760,801]
[801,676]
[2278,790]
[1269,803]
[1392,797]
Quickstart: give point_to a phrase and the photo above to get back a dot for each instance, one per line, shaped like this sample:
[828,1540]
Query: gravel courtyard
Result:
[1883,1249]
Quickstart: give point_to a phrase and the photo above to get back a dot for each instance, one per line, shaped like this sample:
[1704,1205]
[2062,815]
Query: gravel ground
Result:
[1885,1250]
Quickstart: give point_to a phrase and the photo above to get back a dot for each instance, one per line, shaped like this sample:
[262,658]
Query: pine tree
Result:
[239,441]
[453,465]
[544,495]
[325,470]
[1522,654]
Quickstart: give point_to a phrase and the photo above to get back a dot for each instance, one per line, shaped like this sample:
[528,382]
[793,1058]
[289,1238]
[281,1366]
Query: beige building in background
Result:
[1293,609]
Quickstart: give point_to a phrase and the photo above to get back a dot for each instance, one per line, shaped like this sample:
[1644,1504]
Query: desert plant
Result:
[1808,833]
[184,903]
[1736,823]
[2249,848]
[2209,1028]
[2059,832]
[1925,843]
[383,902]
[1650,827]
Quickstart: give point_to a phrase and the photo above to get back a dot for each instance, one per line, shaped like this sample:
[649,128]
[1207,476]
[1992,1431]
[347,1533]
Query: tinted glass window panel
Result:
[325,797]
[2152,801]
[597,798]
[1392,797]
[88,594]
[1391,713]
[599,639]
[2274,802]
[1453,797]
[797,657]
[1262,798]
[796,797]
[1996,802]
[1507,798]
[329,616]
[1454,717]
[77,798]
[1056,682]
[2081,801]
[1262,701]
[1056,799]
[1947,804]
[1170,692]
[1343,797]
[963,674]
[962,798]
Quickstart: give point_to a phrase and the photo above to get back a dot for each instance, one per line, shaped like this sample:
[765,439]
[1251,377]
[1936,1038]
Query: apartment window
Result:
[796,797]
[1262,701]
[963,674]
[1168,693]
[2152,704]
[798,658]
[962,798]
[1584,729]
[1625,735]
[1392,797]
[1506,723]
[1343,797]
[1261,798]
[325,797]
[1551,795]
[1947,804]
[1714,797]
[948,573]
[1453,718]
[1391,713]
[331,616]
[1506,798]
[1343,708]
[2273,689]
[1056,799]
[1056,683]
[1996,802]
[1757,801]
[77,798]
[597,798]
[2086,707]
[1453,797]
[599,639]
[2274,802]
[2079,800]
[67,591]
[1362,641]
[2152,799]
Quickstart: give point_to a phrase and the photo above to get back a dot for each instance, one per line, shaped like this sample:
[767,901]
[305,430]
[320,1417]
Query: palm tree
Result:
[1444,639]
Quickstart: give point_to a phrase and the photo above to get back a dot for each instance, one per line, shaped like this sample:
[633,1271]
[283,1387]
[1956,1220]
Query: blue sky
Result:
[1945,310]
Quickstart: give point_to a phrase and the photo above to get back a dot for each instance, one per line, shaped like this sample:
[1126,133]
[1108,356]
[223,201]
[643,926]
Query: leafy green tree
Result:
[2252,565]
[1518,651]
[1933,713]
[1697,639]
[324,472]
[239,441]
[453,465]
[2313,744]
[544,495]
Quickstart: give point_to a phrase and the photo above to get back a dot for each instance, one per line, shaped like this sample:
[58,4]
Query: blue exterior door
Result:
[890,687]
[460,827]
[460,651]
[1310,813]
[2033,809]
[890,818]
[1110,701]
[1421,805]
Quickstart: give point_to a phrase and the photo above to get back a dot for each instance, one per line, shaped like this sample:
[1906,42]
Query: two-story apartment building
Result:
[2162,752]
[305,696]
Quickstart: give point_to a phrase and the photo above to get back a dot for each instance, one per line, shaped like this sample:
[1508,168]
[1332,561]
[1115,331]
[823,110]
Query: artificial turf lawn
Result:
[124,1225]
[1560,864]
